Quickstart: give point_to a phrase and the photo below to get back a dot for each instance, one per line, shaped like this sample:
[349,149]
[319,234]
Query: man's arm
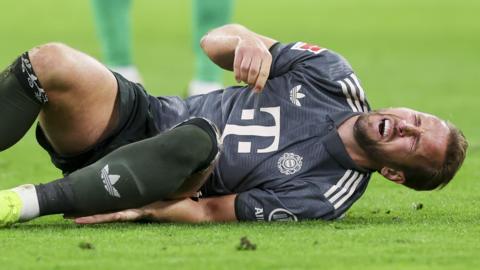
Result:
[235,48]
[215,209]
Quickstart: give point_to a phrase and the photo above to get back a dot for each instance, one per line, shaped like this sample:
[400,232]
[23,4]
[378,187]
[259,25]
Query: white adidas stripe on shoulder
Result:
[338,184]
[354,93]
[339,193]
[344,188]
[349,194]
[347,94]
[360,90]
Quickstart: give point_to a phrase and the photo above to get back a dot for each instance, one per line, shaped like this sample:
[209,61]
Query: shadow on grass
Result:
[64,225]
[356,220]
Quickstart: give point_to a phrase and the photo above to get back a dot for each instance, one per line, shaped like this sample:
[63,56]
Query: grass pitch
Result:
[420,54]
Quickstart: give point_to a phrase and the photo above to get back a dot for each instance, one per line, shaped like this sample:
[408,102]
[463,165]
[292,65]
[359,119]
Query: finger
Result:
[244,68]
[253,70]
[126,215]
[236,65]
[102,218]
[263,74]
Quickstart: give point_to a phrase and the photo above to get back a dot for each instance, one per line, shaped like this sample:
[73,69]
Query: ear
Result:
[393,175]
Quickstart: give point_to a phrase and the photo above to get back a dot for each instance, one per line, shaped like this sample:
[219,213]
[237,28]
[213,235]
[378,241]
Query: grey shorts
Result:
[140,116]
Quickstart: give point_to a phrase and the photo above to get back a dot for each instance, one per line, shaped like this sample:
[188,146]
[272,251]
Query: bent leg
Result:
[73,94]
[82,96]
[136,174]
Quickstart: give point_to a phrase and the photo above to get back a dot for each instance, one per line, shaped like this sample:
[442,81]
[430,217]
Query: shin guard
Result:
[144,171]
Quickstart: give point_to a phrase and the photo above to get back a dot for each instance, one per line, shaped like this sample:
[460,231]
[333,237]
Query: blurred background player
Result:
[113,22]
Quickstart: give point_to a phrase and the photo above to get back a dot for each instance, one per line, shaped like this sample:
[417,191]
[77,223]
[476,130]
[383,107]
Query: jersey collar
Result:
[333,143]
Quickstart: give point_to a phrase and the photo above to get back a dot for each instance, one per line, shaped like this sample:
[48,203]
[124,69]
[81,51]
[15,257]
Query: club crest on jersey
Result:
[295,95]
[289,163]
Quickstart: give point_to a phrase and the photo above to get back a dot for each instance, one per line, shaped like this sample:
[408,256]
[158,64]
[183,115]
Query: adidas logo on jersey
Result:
[295,95]
[109,180]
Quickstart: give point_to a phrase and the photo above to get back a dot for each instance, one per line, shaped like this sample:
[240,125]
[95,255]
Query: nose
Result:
[409,130]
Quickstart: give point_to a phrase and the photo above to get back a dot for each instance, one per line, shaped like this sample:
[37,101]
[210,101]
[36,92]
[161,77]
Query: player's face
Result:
[402,136]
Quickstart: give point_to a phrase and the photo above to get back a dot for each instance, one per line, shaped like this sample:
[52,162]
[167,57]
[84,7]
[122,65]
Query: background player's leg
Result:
[112,20]
[131,176]
[207,14]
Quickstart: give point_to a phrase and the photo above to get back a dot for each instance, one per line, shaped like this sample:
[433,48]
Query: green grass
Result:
[420,54]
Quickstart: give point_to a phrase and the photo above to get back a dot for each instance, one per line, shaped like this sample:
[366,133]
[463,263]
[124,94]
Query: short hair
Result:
[428,178]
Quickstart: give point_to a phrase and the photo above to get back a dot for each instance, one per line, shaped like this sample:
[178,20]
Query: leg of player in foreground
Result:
[73,95]
[75,99]
[132,176]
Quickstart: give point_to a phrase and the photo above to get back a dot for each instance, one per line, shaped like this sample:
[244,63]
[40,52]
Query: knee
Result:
[51,63]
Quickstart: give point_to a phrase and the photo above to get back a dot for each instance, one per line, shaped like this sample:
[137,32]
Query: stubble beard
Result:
[367,144]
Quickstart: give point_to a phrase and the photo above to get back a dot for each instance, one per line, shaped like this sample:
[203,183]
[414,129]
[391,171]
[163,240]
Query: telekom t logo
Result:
[256,130]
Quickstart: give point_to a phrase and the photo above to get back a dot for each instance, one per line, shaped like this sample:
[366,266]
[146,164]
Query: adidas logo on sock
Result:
[109,180]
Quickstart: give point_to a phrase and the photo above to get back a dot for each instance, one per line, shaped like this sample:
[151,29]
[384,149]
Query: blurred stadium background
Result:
[416,53]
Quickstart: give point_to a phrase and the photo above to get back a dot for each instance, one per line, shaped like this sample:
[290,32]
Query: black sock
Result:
[135,174]
[55,197]
[21,97]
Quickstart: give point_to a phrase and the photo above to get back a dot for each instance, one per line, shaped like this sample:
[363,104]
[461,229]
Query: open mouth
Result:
[385,128]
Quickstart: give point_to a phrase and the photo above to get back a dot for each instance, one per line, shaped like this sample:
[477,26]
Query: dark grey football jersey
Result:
[281,152]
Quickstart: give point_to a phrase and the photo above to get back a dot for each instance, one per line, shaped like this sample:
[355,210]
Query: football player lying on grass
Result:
[298,141]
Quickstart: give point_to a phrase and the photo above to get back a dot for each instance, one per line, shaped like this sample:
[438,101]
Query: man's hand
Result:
[122,216]
[252,63]
[183,210]
[157,211]
[235,48]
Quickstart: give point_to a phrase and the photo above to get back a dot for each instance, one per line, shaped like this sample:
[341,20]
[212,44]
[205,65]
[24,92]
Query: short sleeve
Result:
[300,200]
[320,68]
[312,60]
[324,198]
